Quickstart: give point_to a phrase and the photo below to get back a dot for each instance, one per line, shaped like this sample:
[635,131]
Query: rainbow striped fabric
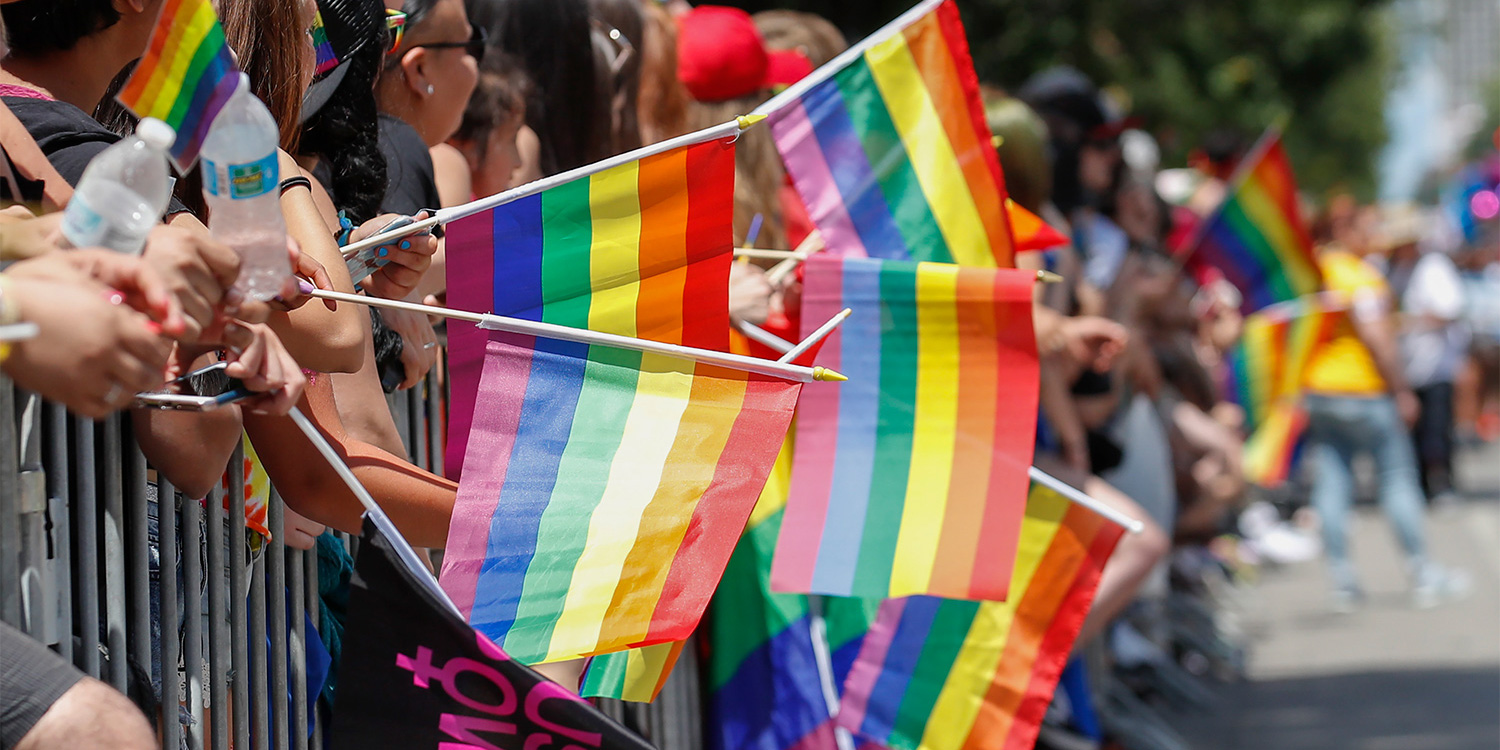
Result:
[1266,369]
[637,674]
[911,479]
[605,494]
[1256,238]
[327,59]
[641,250]
[185,77]
[1032,234]
[891,153]
[940,674]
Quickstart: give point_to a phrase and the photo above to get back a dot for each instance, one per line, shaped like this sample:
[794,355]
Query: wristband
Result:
[295,181]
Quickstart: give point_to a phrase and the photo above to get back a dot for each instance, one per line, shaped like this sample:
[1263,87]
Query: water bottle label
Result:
[82,225]
[238,181]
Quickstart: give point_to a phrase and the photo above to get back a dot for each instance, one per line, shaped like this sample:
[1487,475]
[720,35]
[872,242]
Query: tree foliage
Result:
[1188,67]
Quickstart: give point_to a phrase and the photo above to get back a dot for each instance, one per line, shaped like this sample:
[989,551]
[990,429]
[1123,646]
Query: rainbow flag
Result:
[637,674]
[1256,237]
[940,674]
[185,77]
[1032,234]
[605,494]
[912,478]
[889,149]
[327,59]
[642,249]
[1266,368]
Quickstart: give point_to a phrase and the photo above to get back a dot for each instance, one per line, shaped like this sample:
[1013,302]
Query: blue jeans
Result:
[1338,429]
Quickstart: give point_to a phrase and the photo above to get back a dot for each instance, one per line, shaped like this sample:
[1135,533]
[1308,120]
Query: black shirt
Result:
[410,185]
[68,136]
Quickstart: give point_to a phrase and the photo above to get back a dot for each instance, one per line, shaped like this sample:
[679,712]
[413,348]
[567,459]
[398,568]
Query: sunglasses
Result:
[395,26]
[475,45]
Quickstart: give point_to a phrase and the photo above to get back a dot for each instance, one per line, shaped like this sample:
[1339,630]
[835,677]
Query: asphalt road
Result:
[1387,677]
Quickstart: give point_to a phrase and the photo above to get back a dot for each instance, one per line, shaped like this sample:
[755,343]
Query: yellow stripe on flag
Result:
[974,670]
[661,397]
[152,102]
[614,257]
[1267,216]
[931,153]
[192,36]
[937,425]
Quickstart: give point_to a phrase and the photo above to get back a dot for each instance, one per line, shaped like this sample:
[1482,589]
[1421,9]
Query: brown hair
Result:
[661,106]
[1023,149]
[758,174]
[268,42]
[809,33]
[499,97]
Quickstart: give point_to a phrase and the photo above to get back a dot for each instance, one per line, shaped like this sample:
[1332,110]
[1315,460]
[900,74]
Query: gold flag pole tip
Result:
[826,375]
[1048,277]
[748,121]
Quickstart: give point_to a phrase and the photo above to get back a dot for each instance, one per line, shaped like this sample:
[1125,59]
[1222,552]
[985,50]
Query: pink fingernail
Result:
[305,287]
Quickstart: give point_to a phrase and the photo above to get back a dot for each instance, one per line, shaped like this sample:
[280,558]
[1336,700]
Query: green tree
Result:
[1188,67]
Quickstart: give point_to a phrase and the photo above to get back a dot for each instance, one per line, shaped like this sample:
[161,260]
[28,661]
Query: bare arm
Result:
[419,502]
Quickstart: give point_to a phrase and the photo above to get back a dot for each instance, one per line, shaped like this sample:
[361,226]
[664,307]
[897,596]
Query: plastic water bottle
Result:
[241,178]
[124,191]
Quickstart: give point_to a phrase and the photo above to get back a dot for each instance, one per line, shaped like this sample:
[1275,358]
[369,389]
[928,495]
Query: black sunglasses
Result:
[478,40]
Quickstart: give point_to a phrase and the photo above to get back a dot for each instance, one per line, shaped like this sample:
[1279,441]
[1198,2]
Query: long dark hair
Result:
[265,36]
[568,107]
[344,132]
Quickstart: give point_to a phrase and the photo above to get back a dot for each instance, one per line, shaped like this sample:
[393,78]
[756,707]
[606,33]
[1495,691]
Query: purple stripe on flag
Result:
[208,101]
[858,427]
[850,167]
[805,162]
[867,667]
[469,530]
[912,625]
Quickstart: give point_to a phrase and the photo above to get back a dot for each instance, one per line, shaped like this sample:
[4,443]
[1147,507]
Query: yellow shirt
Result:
[1344,366]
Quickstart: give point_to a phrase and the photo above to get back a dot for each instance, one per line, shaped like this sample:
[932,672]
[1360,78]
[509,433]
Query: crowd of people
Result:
[433,103]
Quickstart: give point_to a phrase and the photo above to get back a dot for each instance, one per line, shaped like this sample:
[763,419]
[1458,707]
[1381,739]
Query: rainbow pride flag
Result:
[605,494]
[1256,237]
[1032,234]
[642,249]
[940,674]
[327,59]
[185,77]
[888,147]
[912,478]
[1266,369]
[637,674]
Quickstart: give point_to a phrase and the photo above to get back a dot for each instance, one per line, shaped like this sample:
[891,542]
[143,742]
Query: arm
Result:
[420,503]
[190,449]
[321,339]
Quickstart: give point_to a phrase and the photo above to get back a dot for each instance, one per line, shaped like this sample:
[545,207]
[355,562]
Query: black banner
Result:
[415,676]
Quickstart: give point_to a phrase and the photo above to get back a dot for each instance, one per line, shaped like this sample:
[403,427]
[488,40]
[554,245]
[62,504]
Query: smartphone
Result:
[366,262]
[205,389]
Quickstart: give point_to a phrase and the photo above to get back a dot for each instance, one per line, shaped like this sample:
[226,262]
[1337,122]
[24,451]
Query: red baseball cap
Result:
[720,55]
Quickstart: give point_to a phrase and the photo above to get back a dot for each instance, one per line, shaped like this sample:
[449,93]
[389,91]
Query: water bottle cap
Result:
[156,134]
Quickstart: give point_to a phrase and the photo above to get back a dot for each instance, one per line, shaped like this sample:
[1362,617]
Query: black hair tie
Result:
[297,181]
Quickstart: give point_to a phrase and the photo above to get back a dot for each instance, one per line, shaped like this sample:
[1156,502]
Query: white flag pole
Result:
[1132,525]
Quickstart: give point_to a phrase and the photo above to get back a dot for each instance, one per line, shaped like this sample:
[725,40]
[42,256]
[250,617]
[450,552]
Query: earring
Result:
[430,89]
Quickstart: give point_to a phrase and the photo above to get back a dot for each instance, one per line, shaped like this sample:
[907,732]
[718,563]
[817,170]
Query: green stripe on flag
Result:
[567,242]
[207,50]
[946,638]
[1254,239]
[892,165]
[746,615]
[893,432]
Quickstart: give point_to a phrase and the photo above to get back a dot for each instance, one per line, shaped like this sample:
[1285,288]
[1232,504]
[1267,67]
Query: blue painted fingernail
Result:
[405,244]
[384,251]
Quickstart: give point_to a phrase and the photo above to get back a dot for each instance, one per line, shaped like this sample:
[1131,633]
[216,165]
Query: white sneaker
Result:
[1439,585]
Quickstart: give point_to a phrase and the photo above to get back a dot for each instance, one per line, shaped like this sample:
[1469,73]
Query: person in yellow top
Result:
[1357,402]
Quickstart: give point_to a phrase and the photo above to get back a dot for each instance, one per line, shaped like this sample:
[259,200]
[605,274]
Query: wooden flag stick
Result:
[755,252]
[810,246]
[818,335]
[564,333]
[1132,525]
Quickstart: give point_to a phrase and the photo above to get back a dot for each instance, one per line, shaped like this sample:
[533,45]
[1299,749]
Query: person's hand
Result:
[1092,342]
[1408,406]
[299,531]
[199,272]
[749,293]
[406,259]
[258,359]
[418,343]
[90,354]
[305,268]
[1075,450]
[137,282]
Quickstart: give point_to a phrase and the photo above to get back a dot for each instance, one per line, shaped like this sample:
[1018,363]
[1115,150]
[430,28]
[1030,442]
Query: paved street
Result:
[1388,677]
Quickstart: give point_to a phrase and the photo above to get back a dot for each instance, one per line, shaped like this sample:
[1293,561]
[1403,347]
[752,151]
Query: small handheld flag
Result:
[911,477]
[185,77]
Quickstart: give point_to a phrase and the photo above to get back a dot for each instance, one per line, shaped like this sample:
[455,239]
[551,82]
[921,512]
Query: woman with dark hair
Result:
[568,110]
[619,33]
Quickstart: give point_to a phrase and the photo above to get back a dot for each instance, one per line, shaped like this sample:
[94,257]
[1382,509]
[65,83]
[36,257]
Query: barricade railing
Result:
[83,571]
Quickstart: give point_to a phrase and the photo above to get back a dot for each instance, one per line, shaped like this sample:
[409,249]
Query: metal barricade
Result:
[232,625]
